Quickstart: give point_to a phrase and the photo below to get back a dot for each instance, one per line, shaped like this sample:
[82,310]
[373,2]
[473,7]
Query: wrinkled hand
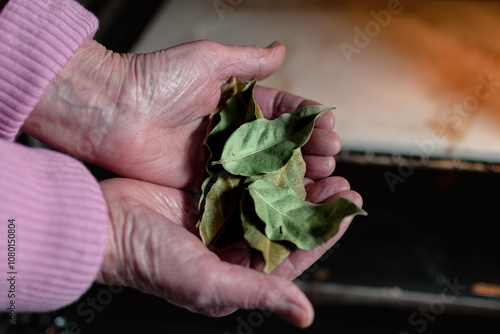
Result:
[145,117]
[152,248]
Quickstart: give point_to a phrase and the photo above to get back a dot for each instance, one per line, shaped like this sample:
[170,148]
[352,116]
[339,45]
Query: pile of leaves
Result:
[255,185]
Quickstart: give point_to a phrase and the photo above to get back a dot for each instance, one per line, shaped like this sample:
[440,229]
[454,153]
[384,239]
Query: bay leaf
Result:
[234,87]
[247,150]
[290,218]
[291,175]
[221,212]
[239,109]
[205,187]
[236,107]
[274,253]
[265,146]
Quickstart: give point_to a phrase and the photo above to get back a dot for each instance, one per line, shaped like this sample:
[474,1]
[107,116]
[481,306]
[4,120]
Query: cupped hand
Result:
[153,247]
[144,116]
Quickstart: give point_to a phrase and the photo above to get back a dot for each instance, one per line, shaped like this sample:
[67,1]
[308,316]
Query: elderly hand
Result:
[144,116]
[152,247]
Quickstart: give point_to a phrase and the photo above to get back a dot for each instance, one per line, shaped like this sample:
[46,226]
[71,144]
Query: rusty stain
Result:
[453,45]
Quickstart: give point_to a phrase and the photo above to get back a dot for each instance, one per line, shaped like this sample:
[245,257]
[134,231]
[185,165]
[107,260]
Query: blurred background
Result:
[416,85]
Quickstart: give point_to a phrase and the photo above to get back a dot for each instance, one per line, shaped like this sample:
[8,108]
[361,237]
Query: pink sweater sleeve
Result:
[53,217]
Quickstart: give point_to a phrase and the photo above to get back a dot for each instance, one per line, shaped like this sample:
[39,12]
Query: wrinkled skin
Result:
[144,117]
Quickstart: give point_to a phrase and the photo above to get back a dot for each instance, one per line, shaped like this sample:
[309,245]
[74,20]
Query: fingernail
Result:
[273,45]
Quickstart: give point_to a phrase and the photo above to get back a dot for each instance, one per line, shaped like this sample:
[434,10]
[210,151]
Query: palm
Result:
[155,215]
[155,250]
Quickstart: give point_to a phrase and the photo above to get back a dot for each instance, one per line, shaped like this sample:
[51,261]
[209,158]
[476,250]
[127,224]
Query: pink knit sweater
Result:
[53,217]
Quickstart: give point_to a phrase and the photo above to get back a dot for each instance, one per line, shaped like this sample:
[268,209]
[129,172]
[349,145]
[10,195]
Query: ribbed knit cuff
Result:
[60,228]
[37,39]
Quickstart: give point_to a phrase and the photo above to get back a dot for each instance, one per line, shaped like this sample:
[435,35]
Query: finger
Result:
[350,195]
[324,189]
[322,142]
[318,167]
[274,102]
[325,121]
[213,311]
[247,62]
[249,289]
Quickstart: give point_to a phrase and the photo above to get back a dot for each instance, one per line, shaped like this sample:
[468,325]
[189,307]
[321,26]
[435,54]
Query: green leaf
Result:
[265,146]
[289,218]
[247,150]
[273,252]
[239,109]
[236,107]
[221,214]
[291,175]
[233,88]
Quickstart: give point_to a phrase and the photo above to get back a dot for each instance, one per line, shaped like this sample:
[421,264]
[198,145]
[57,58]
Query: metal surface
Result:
[412,162]
[395,297]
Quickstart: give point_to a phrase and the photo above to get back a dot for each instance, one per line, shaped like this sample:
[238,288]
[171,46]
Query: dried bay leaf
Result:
[273,252]
[265,146]
[221,213]
[233,88]
[290,218]
[255,185]
[239,109]
[291,175]
[236,107]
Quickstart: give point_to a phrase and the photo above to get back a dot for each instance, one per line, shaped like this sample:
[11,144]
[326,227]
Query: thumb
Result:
[250,62]
[249,289]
